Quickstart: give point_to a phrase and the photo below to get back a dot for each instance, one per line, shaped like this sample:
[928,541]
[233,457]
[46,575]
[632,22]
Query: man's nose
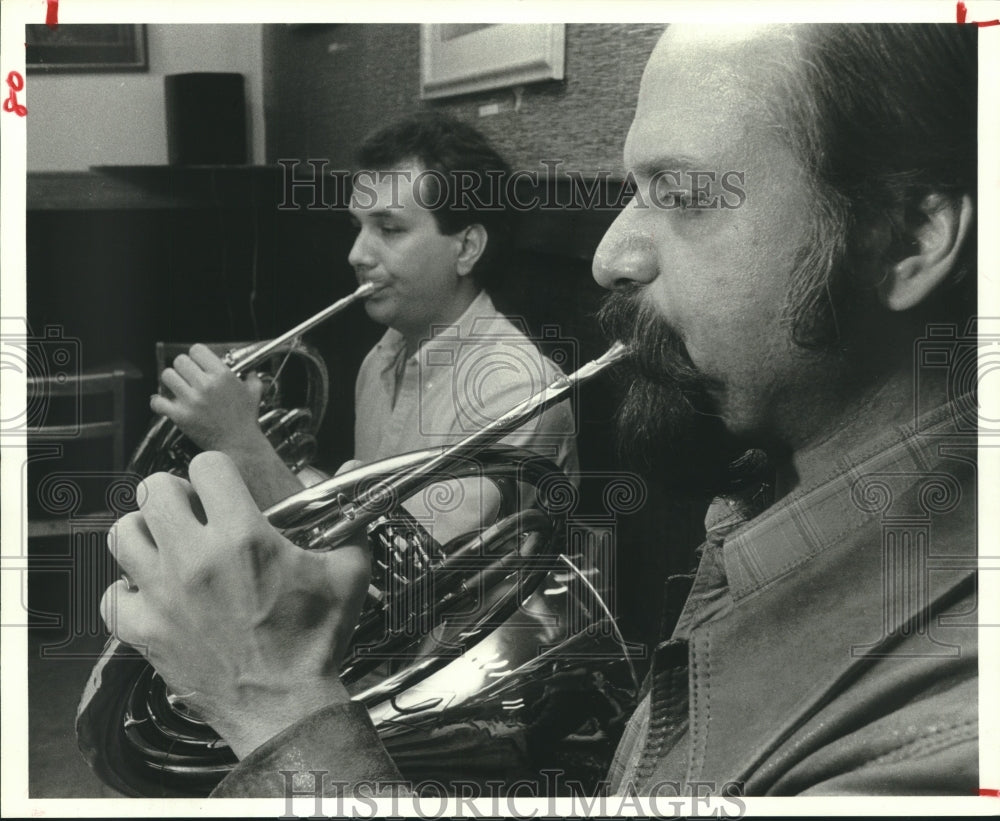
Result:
[360,255]
[626,254]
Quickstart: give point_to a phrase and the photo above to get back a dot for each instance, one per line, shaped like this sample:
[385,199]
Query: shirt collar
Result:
[808,521]
[392,342]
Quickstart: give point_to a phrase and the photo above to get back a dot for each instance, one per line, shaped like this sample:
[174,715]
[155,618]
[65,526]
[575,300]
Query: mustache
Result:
[669,428]
[658,353]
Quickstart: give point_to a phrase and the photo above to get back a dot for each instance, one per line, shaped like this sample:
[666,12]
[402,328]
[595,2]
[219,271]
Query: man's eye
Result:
[690,206]
[390,229]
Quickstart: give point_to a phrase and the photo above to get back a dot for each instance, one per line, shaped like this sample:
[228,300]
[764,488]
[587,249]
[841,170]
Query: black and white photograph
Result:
[437,411]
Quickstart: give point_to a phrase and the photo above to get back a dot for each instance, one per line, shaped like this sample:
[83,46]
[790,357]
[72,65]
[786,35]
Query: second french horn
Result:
[291,431]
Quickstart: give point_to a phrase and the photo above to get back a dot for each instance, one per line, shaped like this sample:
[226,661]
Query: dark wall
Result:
[326,87]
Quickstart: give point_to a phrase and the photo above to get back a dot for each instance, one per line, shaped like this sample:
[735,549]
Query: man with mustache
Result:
[826,644]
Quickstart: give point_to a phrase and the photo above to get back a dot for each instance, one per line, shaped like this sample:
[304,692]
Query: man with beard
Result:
[826,643]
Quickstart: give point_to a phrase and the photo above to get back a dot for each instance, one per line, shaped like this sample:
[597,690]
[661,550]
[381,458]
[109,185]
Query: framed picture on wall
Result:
[85,47]
[459,58]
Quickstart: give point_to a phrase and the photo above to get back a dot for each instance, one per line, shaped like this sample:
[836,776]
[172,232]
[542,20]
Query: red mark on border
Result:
[961,13]
[16,83]
[989,793]
[52,13]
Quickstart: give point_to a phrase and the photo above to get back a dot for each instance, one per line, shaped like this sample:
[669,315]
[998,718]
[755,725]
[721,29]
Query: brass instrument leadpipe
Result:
[244,358]
[360,512]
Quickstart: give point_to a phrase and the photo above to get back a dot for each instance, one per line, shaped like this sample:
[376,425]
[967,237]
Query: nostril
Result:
[625,256]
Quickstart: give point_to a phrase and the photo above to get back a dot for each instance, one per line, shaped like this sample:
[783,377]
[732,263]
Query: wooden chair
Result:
[87,390]
[74,501]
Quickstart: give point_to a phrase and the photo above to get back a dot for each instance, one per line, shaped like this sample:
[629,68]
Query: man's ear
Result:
[936,241]
[473,243]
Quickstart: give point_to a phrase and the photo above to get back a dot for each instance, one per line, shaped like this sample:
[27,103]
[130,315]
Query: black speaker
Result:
[206,119]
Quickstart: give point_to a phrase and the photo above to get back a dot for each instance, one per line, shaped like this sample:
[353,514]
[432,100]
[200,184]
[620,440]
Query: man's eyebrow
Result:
[375,213]
[670,162]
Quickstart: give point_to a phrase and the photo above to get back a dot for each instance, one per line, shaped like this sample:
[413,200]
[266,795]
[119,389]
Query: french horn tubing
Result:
[291,432]
[467,652]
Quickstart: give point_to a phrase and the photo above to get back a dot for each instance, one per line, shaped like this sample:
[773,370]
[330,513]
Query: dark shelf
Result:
[113,187]
[564,225]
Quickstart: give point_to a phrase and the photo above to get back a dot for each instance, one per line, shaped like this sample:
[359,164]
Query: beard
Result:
[668,425]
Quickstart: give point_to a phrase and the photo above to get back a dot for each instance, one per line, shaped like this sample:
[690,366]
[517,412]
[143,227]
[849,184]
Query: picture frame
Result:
[84,47]
[459,58]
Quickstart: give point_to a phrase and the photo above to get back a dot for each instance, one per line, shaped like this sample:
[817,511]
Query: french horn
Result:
[493,656]
[291,432]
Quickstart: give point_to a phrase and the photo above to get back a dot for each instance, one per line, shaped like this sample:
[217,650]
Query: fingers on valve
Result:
[123,612]
[168,508]
[189,370]
[160,404]
[132,545]
[205,358]
[255,385]
[176,384]
[223,493]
